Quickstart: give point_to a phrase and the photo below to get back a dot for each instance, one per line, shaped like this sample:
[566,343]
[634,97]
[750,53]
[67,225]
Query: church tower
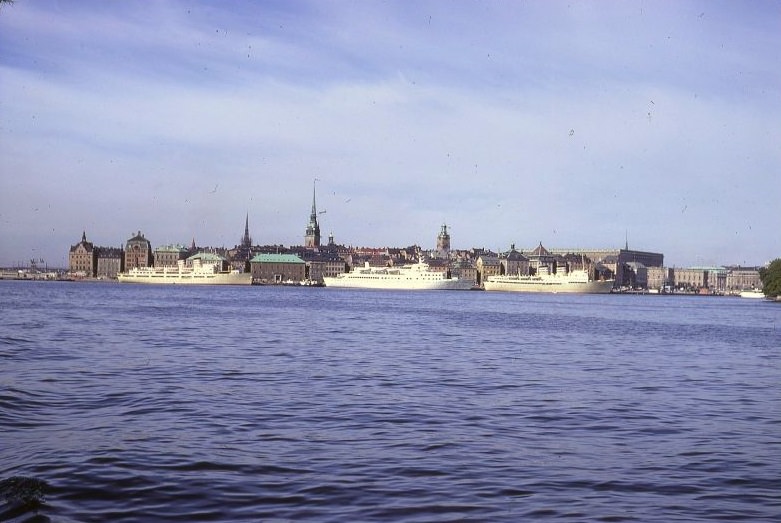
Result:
[244,249]
[443,242]
[312,236]
[246,240]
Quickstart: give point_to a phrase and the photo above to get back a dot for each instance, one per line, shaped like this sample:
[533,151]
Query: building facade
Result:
[658,277]
[443,243]
[742,278]
[487,265]
[110,262]
[277,268]
[690,278]
[169,255]
[82,258]
[138,252]
[513,263]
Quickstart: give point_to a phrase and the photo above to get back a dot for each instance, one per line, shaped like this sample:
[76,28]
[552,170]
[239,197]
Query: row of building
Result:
[631,269]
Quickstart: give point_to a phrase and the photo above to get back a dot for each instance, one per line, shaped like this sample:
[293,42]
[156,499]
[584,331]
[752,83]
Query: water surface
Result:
[146,403]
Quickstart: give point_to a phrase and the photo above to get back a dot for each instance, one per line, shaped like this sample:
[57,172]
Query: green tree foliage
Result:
[771,278]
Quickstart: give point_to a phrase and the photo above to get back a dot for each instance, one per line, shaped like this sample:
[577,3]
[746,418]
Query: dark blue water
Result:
[136,403]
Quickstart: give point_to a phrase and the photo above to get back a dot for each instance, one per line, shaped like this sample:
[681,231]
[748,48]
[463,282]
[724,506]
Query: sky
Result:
[573,124]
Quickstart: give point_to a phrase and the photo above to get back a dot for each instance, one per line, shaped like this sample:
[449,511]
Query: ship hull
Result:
[397,284]
[548,286]
[187,279]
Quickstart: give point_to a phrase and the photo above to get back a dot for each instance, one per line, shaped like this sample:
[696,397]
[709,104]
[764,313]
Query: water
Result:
[136,403]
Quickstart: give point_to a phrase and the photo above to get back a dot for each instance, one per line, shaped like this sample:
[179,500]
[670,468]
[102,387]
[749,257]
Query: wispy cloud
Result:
[563,123]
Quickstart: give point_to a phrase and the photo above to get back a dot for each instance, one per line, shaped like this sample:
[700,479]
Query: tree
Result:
[771,278]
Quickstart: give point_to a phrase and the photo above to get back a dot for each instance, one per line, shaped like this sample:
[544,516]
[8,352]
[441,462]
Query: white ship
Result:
[416,276]
[198,274]
[753,293]
[577,281]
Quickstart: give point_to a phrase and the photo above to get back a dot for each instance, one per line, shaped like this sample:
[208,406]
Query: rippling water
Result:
[136,403]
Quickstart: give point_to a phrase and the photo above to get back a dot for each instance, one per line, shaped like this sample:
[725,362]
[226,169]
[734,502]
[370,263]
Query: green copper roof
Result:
[276,258]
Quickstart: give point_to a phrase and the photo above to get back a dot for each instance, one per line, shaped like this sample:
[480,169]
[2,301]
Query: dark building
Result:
[110,261]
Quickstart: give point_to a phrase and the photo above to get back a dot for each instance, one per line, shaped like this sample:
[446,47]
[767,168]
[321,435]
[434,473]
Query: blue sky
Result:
[574,124]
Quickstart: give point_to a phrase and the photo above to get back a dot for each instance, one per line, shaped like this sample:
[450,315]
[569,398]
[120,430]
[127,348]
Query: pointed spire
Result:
[312,236]
[314,200]
[84,236]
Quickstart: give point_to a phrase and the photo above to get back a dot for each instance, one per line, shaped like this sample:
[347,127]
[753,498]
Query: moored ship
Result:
[575,281]
[417,276]
[199,274]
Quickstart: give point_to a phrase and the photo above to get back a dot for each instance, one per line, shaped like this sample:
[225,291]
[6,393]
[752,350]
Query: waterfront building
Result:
[89,261]
[109,262]
[277,268]
[658,277]
[541,257]
[169,255]
[742,278]
[636,275]
[487,265]
[320,264]
[716,278]
[513,263]
[138,252]
[690,278]
[312,235]
[464,269]
[82,258]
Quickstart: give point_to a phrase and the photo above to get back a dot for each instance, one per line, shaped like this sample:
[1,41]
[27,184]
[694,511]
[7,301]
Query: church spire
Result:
[313,215]
[246,241]
[312,236]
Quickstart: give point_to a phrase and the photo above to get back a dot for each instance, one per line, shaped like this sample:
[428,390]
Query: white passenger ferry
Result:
[417,276]
[576,281]
[199,274]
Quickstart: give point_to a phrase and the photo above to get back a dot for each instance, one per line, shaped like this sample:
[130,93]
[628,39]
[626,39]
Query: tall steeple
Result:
[312,236]
[244,250]
[246,241]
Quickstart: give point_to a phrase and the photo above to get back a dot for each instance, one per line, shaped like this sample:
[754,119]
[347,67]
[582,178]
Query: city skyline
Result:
[575,125]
